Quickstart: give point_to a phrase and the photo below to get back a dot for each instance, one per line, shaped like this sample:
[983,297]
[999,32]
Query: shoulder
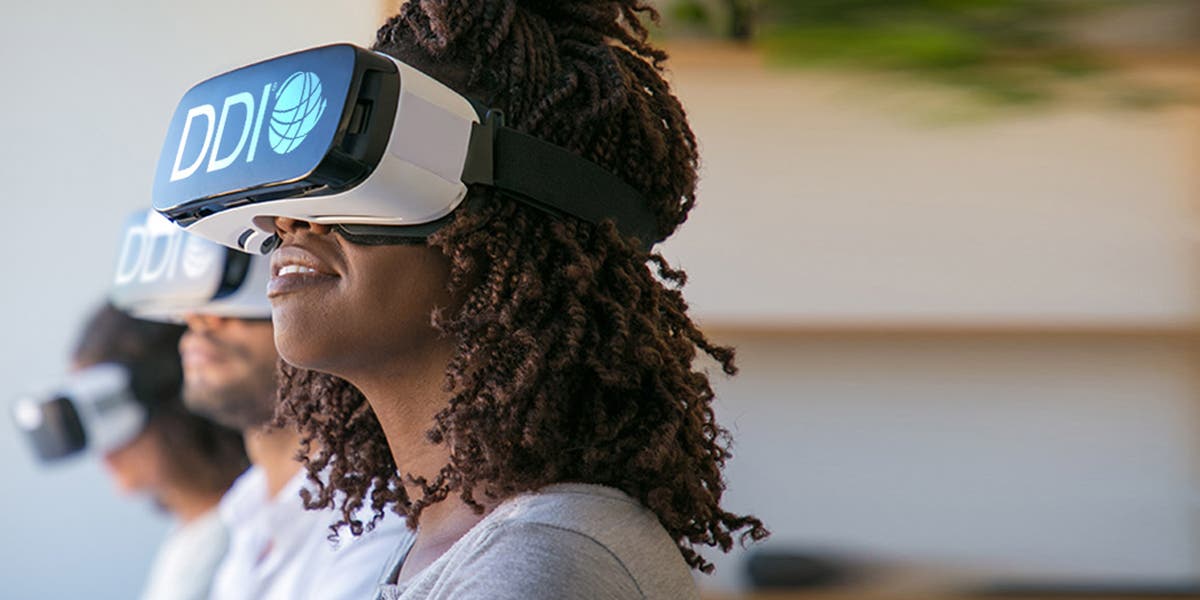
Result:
[525,560]
[187,560]
[568,541]
[244,498]
[584,508]
[354,565]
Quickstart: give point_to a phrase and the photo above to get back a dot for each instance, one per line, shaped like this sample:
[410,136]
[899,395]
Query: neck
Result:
[405,395]
[189,506]
[274,451]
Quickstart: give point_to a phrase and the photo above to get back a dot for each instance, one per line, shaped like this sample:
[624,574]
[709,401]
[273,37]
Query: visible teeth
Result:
[294,269]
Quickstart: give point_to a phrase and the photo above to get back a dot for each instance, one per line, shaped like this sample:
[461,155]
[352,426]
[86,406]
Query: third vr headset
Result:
[344,136]
[164,273]
[94,409]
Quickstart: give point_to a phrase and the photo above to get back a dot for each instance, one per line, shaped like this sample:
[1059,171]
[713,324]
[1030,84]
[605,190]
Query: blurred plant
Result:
[1003,51]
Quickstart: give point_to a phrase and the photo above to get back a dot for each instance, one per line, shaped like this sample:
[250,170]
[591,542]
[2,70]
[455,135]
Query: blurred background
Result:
[954,241]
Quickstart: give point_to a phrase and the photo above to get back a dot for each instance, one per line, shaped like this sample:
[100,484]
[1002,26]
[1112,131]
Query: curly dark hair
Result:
[574,350]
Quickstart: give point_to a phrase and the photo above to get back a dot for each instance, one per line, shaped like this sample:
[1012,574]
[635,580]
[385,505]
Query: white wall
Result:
[88,90]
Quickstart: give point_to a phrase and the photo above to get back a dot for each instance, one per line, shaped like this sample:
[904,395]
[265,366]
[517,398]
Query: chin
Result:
[295,353]
[305,347]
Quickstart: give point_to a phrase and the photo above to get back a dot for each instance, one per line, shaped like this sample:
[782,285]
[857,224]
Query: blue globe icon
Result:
[298,106]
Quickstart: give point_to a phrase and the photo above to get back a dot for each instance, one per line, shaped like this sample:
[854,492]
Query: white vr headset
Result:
[343,136]
[93,410]
[164,273]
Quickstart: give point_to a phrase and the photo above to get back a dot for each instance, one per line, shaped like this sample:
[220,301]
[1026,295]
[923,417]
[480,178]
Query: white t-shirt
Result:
[186,561]
[280,551]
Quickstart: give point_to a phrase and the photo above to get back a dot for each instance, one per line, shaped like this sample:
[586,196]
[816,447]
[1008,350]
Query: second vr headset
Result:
[164,273]
[340,135]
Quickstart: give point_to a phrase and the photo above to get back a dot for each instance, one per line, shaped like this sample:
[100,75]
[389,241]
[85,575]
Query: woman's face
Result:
[343,308]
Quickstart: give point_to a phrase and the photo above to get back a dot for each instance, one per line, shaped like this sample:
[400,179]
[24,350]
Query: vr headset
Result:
[95,410]
[351,138]
[164,273]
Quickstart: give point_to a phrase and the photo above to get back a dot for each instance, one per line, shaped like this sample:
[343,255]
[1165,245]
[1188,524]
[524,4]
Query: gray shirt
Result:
[567,541]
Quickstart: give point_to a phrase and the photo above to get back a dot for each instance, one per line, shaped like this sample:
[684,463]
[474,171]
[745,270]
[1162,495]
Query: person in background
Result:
[184,463]
[277,549]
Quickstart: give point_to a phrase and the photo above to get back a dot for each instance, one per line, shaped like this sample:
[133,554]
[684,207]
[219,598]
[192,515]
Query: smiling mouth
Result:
[294,270]
[290,277]
[199,357]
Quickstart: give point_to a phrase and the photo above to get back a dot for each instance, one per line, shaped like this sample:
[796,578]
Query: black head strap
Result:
[554,180]
[536,173]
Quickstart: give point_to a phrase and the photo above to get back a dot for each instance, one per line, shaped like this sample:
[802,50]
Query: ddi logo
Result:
[158,251]
[299,105]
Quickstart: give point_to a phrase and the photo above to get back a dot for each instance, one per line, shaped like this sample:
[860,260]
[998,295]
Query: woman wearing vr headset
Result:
[184,462]
[519,385]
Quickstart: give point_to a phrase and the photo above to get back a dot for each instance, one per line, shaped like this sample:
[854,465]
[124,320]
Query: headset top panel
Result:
[160,266]
[265,124]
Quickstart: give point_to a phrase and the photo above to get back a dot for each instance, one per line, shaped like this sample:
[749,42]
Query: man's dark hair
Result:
[574,350]
[199,455]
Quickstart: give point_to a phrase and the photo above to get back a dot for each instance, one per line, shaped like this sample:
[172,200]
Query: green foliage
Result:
[690,12]
[1002,51]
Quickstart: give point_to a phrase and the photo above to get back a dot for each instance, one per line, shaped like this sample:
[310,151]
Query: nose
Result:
[288,225]
[202,323]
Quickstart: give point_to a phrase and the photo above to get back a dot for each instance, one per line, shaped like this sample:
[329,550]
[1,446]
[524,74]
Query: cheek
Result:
[394,299]
[378,311]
